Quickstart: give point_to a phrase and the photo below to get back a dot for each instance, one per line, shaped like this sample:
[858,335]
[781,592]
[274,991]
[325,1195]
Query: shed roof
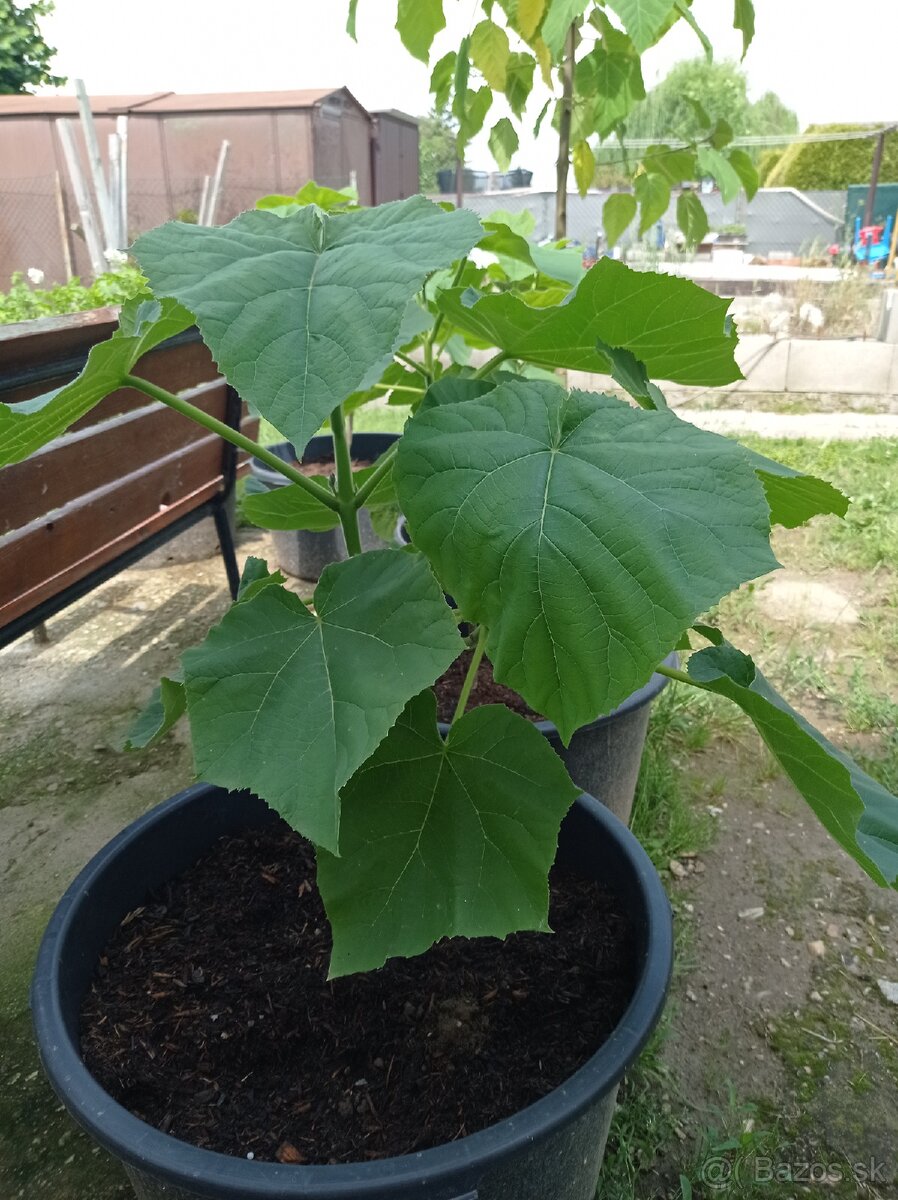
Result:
[51,104]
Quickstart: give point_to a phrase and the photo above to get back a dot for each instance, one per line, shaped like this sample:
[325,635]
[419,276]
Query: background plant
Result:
[24,55]
[588,55]
[26,302]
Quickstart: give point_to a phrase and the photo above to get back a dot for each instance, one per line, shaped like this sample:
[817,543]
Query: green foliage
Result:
[24,302]
[584,535]
[24,55]
[321,690]
[570,628]
[722,88]
[315,329]
[436,147]
[460,842]
[823,165]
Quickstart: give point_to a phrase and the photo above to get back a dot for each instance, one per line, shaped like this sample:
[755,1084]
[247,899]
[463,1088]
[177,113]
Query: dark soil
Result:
[485,690]
[211,1019]
[327,466]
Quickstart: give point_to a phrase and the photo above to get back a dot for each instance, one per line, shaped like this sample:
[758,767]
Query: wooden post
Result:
[215,190]
[115,186]
[121,128]
[82,198]
[63,226]
[204,201]
[96,164]
[874,177]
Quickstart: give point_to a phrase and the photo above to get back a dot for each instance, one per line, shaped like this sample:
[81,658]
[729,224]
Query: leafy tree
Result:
[437,133]
[719,87]
[24,55]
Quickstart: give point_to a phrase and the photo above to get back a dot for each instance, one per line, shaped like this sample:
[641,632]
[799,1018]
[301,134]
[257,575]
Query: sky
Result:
[134,46]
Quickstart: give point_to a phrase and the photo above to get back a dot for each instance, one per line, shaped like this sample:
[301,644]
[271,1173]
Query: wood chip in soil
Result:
[211,1018]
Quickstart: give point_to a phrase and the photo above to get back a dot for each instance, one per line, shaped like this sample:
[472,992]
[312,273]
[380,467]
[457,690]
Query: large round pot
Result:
[301,552]
[551,1150]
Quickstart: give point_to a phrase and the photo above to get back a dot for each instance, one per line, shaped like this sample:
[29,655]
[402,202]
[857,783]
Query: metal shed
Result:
[278,141]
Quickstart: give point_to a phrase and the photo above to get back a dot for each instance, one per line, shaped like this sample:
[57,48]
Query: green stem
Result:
[322,494]
[441,317]
[673,673]
[490,365]
[410,362]
[346,493]
[473,668]
[383,466]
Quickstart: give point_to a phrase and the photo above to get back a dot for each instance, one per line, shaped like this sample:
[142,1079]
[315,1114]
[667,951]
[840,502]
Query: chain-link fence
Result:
[778,223]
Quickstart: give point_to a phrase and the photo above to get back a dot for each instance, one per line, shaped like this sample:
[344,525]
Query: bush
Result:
[25,302]
[824,165]
[767,164]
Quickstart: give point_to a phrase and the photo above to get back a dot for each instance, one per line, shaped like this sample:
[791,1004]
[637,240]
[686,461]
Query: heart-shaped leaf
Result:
[444,838]
[289,703]
[672,325]
[586,535]
[303,310]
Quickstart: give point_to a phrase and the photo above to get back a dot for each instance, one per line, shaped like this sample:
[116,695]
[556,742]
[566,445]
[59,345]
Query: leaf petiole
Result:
[473,668]
[325,497]
[346,493]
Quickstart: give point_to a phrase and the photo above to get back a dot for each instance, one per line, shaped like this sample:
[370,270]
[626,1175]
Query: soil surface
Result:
[327,466]
[485,690]
[211,1017]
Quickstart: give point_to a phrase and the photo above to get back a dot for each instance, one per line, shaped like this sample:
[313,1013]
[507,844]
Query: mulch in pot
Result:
[210,1016]
[327,466]
[485,690]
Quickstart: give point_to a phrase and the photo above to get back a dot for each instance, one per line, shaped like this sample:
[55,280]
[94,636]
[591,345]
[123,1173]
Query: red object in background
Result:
[871,235]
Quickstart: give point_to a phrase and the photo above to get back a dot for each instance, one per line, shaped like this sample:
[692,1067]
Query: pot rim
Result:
[227,1177]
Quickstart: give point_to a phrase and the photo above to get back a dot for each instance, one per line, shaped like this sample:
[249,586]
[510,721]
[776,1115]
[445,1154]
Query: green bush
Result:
[25,302]
[767,164]
[822,165]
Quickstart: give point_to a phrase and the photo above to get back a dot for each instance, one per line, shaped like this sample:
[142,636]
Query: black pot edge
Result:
[228,1178]
[285,450]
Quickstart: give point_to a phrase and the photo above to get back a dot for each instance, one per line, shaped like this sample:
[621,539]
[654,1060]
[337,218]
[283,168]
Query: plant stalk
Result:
[490,365]
[323,495]
[673,673]
[384,465]
[346,494]
[562,166]
[473,668]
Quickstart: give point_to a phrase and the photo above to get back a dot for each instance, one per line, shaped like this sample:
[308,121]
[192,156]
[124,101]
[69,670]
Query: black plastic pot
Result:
[551,1150]
[301,552]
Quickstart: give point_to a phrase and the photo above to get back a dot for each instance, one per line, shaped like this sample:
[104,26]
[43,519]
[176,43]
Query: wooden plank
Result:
[100,455]
[44,552]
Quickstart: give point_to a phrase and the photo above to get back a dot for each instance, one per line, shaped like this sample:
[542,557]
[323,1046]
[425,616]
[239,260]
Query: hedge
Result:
[823,165]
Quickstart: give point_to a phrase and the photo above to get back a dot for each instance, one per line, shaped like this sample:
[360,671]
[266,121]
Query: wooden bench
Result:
[125,479]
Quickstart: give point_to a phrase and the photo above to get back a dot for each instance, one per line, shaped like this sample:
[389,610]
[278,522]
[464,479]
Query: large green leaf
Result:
[519,81]
[330,199]
[528,14]
[507,243]
[691,217]
[489,53]
[617,213]
[418,23]
[672,325]
[301,311]
[711,162]
[441,78]
[289,703]
[653,193]
[859,813]
[744,21]
[584,166]
[503,142]
[560,15]
[642,19]
[742,163]
[444,838]
[143,324]
[586,535]
[287,507]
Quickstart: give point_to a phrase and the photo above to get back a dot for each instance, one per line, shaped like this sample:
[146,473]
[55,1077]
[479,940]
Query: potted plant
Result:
[337,829]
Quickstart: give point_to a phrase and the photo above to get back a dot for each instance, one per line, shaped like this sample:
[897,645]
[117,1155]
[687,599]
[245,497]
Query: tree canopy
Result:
[823,165]
[437,150]
[719,87]
[24,55]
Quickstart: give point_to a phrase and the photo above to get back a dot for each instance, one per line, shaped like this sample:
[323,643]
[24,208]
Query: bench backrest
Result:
[127,471]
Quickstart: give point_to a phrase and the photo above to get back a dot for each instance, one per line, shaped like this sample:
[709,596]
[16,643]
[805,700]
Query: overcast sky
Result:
[827,60]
